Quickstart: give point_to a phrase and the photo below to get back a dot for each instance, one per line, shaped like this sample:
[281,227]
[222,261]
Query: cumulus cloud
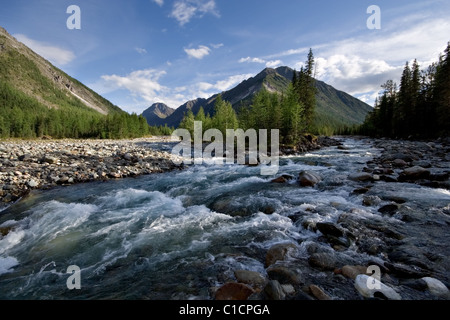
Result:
[199,53]
[184,10]
[54,54]
[141,83]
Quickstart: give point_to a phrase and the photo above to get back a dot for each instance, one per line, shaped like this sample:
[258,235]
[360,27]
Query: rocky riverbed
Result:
[42,164]
[402,238]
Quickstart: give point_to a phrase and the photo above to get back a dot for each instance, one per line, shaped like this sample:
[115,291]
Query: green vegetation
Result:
[420,107]
[36,101]
[291,112]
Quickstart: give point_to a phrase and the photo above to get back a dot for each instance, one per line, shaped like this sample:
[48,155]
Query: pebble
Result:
[37,163]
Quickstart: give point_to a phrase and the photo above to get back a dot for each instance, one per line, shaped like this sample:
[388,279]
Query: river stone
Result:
[234,291]
[322,261]
[274,290]
[318,293]
[352,272]
[308,179]
[250,277]
[283,179]
[404,271]
[399,163]
[361,282]
[436,287]
[360,177]
[414,173]
[328,228]
[284,275]
[371,201]
[389,209]
[278,252]
[50,159]
[32,183]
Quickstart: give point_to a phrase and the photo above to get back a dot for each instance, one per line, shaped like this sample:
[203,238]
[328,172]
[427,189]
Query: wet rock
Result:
[361,190]
[274,291]
[416,284]
[414,173]
[436,287]
[318,293]
[370,288]
[250,277]
[278,252]
[352,272]
[233,291]
[308,179]
[371,201]
[284,275]
[323,261]
[360,177]
[283,179]
[328,228]
[389,209]
[399,163]
[404,271]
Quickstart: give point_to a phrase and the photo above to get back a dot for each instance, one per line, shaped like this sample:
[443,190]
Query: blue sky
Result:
[139,52]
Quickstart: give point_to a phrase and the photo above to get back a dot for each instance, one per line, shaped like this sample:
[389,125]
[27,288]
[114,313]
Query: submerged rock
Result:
[308,179]
[360,177]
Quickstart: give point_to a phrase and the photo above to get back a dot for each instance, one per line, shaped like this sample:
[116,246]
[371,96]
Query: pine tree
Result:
[442,94]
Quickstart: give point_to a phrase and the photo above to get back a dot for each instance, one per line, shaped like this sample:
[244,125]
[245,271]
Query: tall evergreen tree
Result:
[442,93]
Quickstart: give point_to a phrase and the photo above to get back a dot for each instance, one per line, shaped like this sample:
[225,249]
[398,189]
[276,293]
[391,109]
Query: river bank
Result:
[26,165]
[42,164]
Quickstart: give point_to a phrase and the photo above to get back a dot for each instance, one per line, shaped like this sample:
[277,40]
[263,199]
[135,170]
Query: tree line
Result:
[418,107]
[292,112]
[24,117]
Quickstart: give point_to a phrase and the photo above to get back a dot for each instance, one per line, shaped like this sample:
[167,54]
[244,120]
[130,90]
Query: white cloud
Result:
[184,10]
[199,53]
[159,2]
[217,46]
[268,63]
[249,59]
[54,54]
[274,63]
[141,50]
[141,83]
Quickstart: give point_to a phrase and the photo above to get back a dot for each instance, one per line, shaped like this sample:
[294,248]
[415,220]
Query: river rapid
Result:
[184,234]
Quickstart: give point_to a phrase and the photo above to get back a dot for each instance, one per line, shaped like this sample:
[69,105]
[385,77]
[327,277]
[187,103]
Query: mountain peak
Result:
[334,107]
[156,113]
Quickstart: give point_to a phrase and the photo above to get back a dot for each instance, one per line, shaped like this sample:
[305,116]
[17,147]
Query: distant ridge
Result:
[157,113]
[334,108]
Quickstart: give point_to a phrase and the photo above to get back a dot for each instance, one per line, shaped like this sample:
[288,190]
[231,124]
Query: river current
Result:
[177,235]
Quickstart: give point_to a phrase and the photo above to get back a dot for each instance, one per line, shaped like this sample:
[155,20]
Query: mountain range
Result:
[334,108]
[29,76]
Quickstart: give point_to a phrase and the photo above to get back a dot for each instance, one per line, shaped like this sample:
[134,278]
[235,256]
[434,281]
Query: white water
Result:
[174,235]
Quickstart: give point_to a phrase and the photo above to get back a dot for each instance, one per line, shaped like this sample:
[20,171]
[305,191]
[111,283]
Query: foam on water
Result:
[6,264]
